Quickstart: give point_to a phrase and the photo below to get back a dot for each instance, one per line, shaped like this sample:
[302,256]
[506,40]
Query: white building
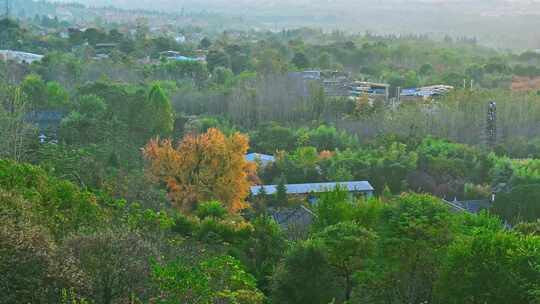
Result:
[19,57]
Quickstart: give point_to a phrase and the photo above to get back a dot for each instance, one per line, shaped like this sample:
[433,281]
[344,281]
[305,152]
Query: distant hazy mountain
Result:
[512,23]
[325,7]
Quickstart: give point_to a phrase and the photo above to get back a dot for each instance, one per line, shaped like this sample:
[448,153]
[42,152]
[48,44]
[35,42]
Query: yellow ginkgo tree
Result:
[204,167]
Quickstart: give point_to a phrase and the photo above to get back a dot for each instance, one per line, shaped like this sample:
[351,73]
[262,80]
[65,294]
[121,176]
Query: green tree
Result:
[281,196]
[35,90]
[260,201]
[212,209]
[213,280]
[11,33]
[15,132]
[222,76]
[305,277]
[270,62]
[529,228]
[416,232]
[117,264]
[426,69]
[240,57]
[475,72]
[325,61]
[390,166]
[347,247]
[57,96]
[411,80]
[332,208]
[269,138]
[205,43]
[300,60]
[218,58]
[328,138]
[522,204]
[87,123]
[263,250]
[491,267]
[32,270]
[318,100]
[57,204]
[160,112]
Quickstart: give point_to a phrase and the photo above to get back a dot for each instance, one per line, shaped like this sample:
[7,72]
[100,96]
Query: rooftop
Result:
[471,206]
[292,216]
[260,157]
[434,90]
[18,56]
[355,186]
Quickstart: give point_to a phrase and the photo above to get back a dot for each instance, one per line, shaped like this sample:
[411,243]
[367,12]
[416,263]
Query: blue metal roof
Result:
[264,159]
[357,186]
[409,92]
[189,59]
[435,90]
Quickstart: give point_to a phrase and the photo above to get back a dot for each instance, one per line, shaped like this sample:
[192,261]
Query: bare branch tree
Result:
[15,131]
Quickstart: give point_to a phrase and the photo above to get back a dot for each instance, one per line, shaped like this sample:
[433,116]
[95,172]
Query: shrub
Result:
[211,209]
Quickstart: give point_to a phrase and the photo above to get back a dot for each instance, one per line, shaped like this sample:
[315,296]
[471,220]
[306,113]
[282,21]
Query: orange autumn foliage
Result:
[325,154]
[209,166]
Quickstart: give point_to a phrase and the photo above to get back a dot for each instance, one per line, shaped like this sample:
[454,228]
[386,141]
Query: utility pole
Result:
[7,12]
[491,128]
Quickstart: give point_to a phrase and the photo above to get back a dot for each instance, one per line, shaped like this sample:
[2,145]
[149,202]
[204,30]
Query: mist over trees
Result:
[500,23]
[258,152]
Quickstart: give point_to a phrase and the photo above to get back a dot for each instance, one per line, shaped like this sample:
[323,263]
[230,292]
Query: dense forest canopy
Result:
[164,157]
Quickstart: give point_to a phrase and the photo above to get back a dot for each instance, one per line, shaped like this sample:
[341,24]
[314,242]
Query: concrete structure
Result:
[19,57]
[372,89]
[337,84]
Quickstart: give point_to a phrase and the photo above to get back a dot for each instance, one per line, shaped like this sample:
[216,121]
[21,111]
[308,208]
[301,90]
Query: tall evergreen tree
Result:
[160,110]
[301,61]
[281,193]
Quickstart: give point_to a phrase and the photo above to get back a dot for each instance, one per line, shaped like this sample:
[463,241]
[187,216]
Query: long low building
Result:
[430,91]
[19,57]
[361,187]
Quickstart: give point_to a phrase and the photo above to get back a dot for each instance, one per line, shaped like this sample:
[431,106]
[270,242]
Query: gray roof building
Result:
[355,186]
[295,221]
[471,206]
[287,216]
[19,57]
[45,120]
